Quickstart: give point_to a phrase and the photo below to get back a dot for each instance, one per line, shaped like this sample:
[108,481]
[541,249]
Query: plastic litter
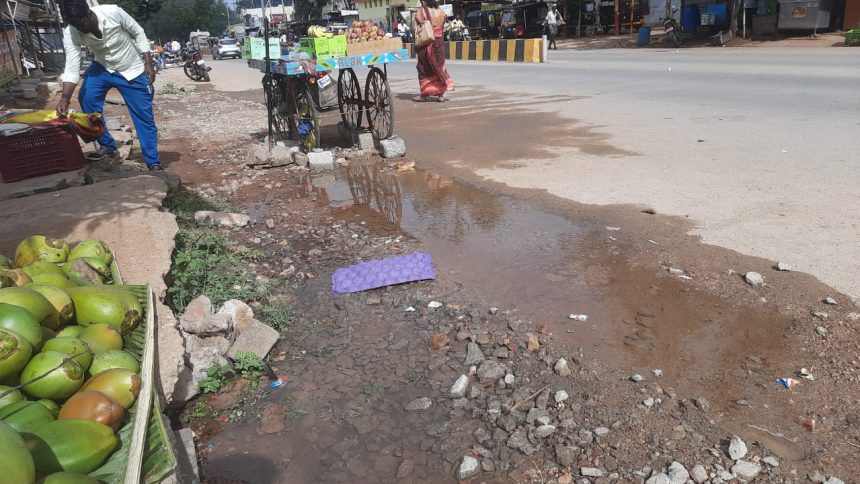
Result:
[805,374]
[434,305]
[578,317]
[789,383]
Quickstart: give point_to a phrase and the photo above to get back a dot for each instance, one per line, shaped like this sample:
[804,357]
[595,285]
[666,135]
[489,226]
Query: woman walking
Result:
[433,77]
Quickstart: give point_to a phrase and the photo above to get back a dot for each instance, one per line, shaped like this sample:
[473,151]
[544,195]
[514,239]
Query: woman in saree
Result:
[433,77]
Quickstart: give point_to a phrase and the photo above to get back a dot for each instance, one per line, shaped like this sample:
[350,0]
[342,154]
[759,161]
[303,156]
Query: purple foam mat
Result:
[383,272]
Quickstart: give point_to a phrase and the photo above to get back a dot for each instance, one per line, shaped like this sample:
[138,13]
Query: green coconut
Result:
[106,305]
[58,298]
[5,262]
[70,332]
[32,301]
[101,338]
[19,320]
[42,267]
[17,276]
[71,446]
[50,405]
[9,396]
[39,247]
[119,384]
[26,416]
[114,359]
[15,351]
[61,281]
[83,273]
[73,347]
[16,462]
[94,249]
[6,280]
[62,382]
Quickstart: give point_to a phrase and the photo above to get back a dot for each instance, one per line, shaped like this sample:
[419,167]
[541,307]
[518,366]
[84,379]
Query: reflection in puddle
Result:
[547,267]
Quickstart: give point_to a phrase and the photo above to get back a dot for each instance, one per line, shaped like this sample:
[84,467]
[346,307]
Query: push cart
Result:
[298,93]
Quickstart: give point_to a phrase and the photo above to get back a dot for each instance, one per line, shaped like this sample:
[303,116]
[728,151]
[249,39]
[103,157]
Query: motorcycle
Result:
[672,29]
[172,58]
[195,67]
[459,36]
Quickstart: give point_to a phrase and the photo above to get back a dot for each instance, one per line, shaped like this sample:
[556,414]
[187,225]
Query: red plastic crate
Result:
[39,152]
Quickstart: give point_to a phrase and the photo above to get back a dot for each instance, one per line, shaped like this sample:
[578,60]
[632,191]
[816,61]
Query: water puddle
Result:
[548,267]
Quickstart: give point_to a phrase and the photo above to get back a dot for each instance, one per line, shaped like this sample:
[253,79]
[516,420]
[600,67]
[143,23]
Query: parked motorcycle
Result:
[171,57]
[195,67]
[672,29]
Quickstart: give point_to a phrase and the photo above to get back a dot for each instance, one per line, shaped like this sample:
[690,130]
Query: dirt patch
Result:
[511,268]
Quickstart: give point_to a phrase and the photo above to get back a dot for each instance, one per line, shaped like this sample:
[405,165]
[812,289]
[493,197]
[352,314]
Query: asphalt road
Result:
[758,147]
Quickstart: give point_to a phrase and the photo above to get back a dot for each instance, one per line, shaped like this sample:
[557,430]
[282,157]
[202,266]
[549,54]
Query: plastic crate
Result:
[39,152]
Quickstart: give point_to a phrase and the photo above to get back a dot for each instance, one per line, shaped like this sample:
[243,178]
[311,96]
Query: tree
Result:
[140,10]
[308,9]
[177,18]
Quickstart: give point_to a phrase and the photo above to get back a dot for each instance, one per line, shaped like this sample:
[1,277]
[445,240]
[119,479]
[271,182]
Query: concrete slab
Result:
[40,184]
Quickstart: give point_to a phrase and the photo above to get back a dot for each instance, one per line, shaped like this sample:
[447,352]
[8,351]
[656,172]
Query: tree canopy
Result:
[140,10]
[177,18]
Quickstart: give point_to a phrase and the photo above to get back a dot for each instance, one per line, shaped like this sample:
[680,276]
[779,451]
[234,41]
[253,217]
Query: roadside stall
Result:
[300,85]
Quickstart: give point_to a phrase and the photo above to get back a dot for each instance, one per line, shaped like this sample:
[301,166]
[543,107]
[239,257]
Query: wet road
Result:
[756,145]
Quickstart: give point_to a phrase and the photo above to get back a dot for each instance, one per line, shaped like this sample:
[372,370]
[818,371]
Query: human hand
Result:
[63,107]
[150,72]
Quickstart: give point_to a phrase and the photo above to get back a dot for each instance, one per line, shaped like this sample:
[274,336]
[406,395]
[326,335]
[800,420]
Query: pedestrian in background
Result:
[433,77]
[552,21]
[122,61]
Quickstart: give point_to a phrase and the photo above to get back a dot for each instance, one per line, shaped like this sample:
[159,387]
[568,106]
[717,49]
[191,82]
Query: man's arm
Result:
[72,72]
[140,41]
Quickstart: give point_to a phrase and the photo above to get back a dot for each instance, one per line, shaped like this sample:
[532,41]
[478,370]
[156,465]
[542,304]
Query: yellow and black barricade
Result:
[506,50]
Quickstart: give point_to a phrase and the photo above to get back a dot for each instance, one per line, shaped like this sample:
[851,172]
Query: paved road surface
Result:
[759,147]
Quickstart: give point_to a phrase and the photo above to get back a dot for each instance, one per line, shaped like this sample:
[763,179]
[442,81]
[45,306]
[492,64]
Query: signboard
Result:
[448,9]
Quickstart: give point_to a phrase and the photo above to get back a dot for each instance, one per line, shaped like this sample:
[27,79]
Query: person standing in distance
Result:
[552,21]
[122,61]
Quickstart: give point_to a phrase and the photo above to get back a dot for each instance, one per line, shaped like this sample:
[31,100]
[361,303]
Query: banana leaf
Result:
[145,454]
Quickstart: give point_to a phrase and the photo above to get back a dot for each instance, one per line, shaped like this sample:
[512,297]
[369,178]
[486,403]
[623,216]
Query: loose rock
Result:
[737,448]
[754,279]
[678,473]
[258,338]
[561,367]
[439,341]
[660,478]
[590,472]
[561,396]
[458,390]
[783,266]
[544,431]
[698,474]
[468,467]
[419,404]
[474,355]
[223,219]
[490,371]
[771,461]
[746,470]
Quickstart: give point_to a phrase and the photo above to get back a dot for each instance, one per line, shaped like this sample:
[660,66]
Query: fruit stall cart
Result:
[300,92]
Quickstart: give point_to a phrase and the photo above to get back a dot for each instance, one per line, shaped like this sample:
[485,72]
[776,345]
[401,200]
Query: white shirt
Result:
[175,46]
[551,18]
[123,41]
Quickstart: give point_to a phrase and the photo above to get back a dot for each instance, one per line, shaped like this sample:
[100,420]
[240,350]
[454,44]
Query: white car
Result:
[226,48]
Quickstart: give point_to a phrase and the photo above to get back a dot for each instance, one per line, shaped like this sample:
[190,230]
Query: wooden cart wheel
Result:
[279,104]
[349,98]
[307,118]
[380,108]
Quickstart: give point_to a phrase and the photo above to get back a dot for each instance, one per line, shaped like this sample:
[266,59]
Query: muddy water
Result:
[547,267]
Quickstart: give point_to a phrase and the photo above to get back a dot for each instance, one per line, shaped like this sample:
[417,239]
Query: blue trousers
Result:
[137,94]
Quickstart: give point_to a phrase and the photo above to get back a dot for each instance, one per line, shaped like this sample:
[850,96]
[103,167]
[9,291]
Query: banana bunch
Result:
[319,32]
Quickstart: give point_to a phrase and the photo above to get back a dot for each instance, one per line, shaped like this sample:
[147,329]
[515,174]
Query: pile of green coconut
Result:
[66,382]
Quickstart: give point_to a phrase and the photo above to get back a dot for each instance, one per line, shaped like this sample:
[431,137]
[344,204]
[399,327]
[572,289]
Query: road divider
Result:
[514,50]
